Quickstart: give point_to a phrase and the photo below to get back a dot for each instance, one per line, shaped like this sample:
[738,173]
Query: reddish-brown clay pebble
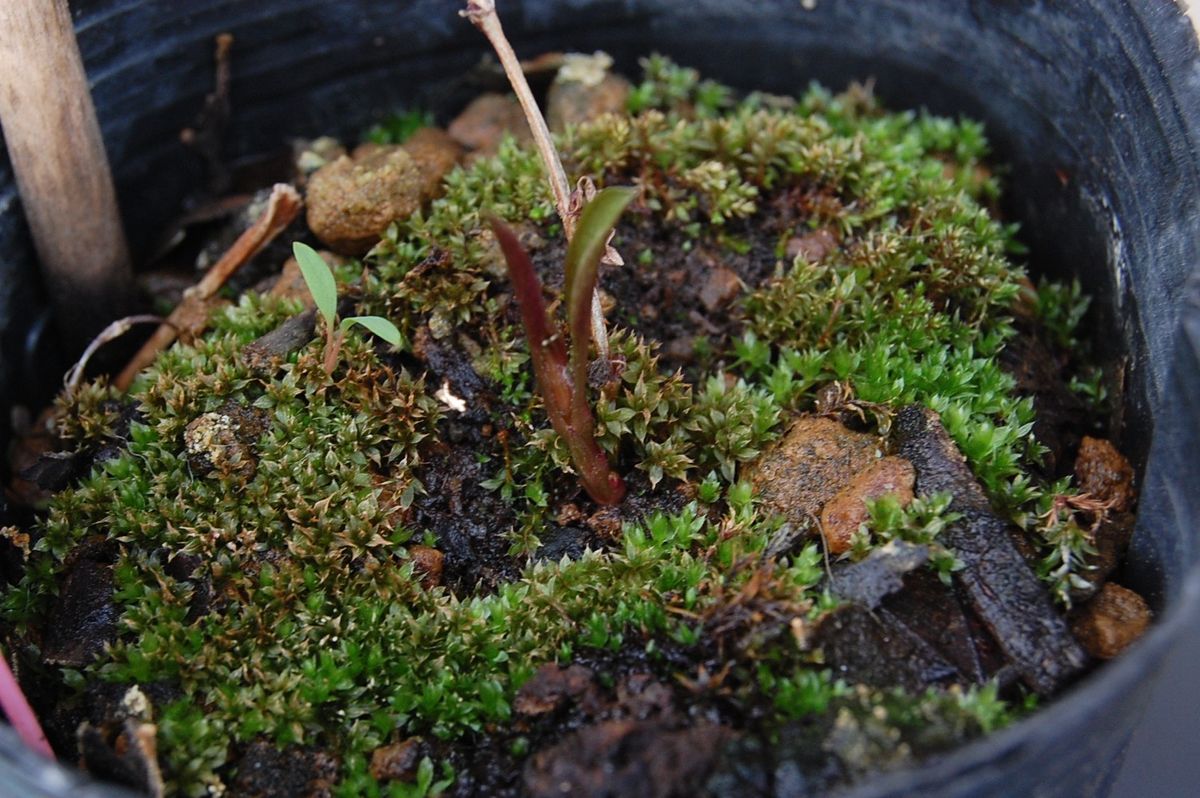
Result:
[1111,621]
[816,459]
[351,201]
[398,761]
[483,124]
[722,287]
[843,514]
[427,563]
[1104,472]
[813,247]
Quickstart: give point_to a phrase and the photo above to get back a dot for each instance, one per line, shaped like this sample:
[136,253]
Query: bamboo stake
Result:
[62,173]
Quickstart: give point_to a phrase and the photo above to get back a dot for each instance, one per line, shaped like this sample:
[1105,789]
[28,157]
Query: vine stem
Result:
[482,14]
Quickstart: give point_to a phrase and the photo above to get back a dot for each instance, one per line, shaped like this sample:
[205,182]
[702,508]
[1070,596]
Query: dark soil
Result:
[1041,370]
[613,723]
[677,290]
[469,521]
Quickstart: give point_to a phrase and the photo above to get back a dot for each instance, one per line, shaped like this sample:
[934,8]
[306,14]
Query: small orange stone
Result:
[427,563]
[483,124]
[813,247]
[842,515]
[1111,621]
[1104,472]
[814,460]
[398,761]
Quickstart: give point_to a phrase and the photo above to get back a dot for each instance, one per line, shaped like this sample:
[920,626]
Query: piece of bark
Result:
[264,352]
[879,575]
[933,611]
[125,752]
[999,584]
[53,471]
[83,618]
[58,158]
[874,648]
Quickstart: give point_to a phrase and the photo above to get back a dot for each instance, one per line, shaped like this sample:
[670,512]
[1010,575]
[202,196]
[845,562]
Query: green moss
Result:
[920,522]
[397,127]
[318,630]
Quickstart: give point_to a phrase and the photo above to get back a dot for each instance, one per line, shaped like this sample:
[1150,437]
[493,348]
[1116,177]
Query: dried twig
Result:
[109,333]
[294,333]
[192,313]
[569,204]
[482,14]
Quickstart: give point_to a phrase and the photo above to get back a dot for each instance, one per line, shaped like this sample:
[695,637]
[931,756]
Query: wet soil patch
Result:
[1042,370]
[680,291]
[469,522]
[614,722]
[265,771]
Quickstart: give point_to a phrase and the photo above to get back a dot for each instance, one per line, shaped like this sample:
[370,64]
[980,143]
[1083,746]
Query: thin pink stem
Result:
[19,713]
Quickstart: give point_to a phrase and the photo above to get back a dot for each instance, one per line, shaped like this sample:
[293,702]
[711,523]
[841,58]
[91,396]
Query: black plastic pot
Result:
[1094,103]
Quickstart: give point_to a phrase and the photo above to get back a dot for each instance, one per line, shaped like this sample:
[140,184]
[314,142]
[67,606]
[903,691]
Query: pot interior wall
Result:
[1080,98]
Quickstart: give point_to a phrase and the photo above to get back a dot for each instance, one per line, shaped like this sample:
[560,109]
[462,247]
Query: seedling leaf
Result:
[319,279]
[582,267]
[378,325]
[592,230]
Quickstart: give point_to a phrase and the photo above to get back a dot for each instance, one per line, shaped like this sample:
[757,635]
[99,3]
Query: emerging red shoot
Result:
[563,382]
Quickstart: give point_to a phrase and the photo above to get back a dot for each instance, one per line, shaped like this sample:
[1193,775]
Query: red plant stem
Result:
[19,713]
[569,413]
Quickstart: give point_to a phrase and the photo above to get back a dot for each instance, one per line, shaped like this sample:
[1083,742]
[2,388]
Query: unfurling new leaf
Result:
[563,383]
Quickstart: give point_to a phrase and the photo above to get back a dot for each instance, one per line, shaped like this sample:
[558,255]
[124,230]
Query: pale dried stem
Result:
[109,333]
[482,14]
[191,313]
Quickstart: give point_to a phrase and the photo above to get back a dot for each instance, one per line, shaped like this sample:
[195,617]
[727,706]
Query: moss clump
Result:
[281,601]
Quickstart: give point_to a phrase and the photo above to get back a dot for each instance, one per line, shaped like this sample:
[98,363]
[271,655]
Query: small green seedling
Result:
[319,279]
[563,383]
